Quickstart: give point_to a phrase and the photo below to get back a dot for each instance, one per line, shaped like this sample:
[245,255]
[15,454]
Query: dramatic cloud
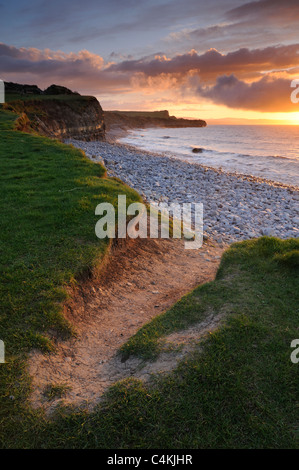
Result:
[212,63]
[256,79]
[269,94]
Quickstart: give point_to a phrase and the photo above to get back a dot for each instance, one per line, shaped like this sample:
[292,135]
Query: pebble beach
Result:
[236,207]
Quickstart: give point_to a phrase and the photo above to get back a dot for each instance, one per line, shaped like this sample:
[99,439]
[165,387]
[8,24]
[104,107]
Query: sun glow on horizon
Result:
[188,108]
[294,119]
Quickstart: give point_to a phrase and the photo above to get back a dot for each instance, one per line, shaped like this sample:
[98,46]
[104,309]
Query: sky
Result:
[202,59]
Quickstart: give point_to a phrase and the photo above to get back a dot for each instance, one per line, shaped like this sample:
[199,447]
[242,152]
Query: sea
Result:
[270,152]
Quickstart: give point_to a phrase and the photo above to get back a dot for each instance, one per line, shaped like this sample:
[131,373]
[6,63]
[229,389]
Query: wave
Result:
[242,155]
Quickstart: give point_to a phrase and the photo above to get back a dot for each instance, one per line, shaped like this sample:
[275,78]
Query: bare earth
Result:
[142,279]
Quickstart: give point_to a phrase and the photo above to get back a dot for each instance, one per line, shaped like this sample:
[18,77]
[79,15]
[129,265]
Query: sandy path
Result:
[143,279]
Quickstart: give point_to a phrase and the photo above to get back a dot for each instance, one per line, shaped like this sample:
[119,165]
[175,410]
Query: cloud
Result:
[269,10]
[36,55]
[83,71]
[269,94]
[212,63]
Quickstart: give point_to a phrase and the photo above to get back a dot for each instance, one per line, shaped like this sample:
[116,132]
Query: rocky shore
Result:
[236,207]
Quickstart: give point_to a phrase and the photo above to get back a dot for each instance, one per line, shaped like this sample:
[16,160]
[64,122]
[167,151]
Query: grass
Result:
[53,391]
[191,309]
[240,391]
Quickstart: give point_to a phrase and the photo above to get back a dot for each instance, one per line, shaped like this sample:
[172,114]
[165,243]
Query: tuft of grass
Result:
[53,391]
[289,259]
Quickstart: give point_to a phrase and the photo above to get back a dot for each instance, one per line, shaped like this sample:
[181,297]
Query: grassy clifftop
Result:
[48,200]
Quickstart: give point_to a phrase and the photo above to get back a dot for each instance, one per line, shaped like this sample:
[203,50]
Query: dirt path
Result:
[143,279]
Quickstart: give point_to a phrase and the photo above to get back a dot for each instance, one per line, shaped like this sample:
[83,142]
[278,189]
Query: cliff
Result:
[56,112]
[133,119]
[61,113]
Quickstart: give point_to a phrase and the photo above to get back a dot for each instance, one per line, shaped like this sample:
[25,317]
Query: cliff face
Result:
[78,117]
[55,112]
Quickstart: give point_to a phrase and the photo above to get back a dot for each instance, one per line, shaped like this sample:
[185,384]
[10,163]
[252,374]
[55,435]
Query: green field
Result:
[238,391]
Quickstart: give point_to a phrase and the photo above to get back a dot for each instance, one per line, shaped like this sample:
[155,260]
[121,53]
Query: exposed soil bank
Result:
[142,279]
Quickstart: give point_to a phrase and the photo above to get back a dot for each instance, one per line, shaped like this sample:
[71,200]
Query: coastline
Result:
[236,207]
[114,135]
[114,140]
[263,159]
